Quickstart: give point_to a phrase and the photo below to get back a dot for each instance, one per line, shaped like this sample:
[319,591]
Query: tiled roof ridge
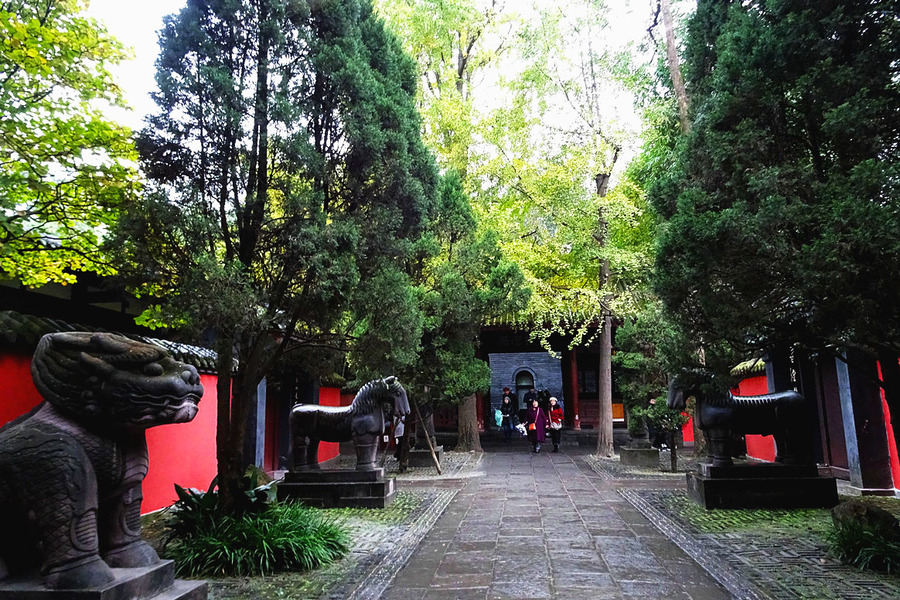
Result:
[19,329]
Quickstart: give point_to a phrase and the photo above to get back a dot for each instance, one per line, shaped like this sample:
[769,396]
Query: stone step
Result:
[183,589]
[340,494]
[333,476]
[151,583]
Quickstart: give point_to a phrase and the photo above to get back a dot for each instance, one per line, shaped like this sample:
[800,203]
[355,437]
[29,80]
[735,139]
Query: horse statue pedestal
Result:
[338,488]
[421,457]
[761,485]
[644,458]
[150,583]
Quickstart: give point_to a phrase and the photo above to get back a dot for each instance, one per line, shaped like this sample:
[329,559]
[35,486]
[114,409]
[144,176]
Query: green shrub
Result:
[865,547]
[275,537]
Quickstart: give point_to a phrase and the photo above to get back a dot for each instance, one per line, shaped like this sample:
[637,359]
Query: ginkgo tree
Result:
[552,150]
[455,44]
[65,168]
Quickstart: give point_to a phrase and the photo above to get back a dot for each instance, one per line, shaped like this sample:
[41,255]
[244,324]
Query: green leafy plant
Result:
[666,419]
[267,537]
[865,547]
[286,536]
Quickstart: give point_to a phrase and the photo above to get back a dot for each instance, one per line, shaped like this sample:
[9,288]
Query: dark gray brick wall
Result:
[547,371]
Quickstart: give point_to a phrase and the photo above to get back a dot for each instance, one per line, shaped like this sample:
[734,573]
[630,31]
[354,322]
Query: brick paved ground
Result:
[547,526]
[511,524]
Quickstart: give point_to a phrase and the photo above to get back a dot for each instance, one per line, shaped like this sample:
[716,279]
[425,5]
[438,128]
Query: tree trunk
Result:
[469,440]
[674,65]
[228,455]
[237,397]
[604,383]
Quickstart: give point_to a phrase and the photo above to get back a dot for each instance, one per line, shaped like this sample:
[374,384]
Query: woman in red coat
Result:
[555,424]
[536,423]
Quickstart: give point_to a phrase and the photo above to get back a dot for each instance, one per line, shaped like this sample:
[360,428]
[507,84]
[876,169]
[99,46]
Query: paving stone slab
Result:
[758,565]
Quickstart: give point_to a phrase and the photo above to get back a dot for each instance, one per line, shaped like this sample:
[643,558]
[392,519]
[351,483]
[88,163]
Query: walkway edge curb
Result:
[377,580]
[714,565]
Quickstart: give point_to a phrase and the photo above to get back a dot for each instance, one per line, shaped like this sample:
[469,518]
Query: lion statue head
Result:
[110,379]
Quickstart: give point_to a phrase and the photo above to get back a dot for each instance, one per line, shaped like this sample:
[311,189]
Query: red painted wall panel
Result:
[892,443]
[19,393]
[329,397]
[687,431]
[184,453]
[760,447]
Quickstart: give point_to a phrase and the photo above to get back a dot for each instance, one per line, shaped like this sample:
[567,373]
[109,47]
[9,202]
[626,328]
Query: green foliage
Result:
[782,205]
[464,282]
[663,417]
[268,537]
[288,189]
[287,536]
[66,168]
[865,547]
[557,130]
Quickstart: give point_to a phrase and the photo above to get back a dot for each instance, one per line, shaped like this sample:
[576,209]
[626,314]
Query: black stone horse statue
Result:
[363,422]
[720,414]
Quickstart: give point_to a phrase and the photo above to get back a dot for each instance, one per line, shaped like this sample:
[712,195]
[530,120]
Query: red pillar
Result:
[573,380]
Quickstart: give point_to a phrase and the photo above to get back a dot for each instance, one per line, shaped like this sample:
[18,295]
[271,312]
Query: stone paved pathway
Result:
[541,526]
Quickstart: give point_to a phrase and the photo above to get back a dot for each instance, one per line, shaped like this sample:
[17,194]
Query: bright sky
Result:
[136,25]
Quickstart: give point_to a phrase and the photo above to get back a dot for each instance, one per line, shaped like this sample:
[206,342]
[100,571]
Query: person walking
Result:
[536,423]
[506,413]
[555,422]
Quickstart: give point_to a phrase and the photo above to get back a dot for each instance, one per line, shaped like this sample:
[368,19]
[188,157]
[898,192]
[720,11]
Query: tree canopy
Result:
[289,187]
[66,169]
[781,206]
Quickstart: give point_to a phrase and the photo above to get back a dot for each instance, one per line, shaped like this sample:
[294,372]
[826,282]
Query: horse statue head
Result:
[691,383]
[397,394]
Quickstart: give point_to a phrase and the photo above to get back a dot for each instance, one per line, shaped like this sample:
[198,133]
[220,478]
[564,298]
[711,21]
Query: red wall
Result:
[19,393]
[687,430]
[329,397]
[184,453]
[760,447]
[892,444]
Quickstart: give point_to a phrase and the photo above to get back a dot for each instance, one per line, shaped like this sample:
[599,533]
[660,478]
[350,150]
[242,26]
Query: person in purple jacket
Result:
[536,423]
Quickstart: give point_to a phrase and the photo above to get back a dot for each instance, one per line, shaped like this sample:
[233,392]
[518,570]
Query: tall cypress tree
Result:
[782,209]
[288,178]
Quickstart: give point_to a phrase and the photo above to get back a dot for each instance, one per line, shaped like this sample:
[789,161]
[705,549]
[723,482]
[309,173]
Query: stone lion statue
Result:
[71,470]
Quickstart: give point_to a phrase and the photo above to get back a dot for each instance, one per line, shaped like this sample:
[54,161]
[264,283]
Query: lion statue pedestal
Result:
[71,471]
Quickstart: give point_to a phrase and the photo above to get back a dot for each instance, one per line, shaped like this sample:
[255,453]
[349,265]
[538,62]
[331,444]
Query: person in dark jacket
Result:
[506,411]
[536,424]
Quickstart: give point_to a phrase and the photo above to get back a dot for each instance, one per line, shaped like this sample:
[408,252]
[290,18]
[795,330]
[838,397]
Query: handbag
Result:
[554,425]
[532,427]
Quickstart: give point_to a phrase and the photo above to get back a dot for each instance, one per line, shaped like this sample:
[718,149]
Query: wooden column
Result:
[864,427]
[573,379]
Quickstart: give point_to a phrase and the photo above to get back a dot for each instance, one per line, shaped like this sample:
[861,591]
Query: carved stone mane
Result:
[71,470]
[362,421]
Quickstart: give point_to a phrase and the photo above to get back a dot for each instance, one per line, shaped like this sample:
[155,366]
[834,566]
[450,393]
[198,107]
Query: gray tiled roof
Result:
[17,329]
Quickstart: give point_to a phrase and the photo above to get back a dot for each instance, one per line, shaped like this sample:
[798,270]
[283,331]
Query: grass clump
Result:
[284,536]
[865,536]
[865,548]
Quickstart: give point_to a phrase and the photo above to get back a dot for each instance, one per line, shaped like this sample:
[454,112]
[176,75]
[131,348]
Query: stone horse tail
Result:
[363,422]
[721,414]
